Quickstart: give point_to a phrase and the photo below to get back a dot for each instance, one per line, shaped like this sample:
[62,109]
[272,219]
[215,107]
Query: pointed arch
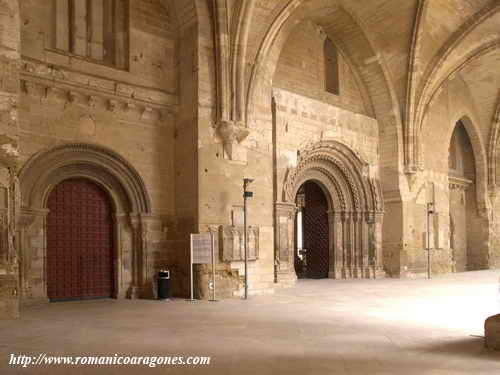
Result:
[480,159]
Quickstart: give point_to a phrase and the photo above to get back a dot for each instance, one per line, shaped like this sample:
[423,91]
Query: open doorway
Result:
[312,255]
[464,221]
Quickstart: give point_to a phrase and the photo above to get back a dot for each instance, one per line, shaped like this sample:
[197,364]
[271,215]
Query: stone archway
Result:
[355,208]
[131,211]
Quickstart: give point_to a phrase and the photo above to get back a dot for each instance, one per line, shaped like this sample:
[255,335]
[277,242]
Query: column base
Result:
[135,292]
[286,279]
[337,274]
[358,273]
[33,301]
[374,273]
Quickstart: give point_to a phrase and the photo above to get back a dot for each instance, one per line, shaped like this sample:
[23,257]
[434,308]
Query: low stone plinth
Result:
[9,300]
[492,332]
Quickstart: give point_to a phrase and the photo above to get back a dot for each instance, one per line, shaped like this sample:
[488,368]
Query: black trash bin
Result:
[164,284]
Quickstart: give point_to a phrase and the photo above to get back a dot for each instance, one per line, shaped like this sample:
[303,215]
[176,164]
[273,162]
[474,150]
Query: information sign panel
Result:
[202,248]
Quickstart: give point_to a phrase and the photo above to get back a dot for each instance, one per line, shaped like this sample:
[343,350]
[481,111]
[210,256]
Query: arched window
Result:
[94,29]
[331,67]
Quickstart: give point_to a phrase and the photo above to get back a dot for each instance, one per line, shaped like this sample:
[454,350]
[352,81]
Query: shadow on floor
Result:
[472,346]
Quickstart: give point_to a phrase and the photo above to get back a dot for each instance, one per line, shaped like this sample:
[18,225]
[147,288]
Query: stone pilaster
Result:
[139,260]
[285,243]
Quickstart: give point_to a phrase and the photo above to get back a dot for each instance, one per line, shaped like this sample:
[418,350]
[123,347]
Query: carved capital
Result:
[345,215]
[29,215]
[285,209]
[458,183]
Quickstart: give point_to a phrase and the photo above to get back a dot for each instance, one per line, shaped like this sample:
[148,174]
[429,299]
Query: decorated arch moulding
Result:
[339,171]
[111,171]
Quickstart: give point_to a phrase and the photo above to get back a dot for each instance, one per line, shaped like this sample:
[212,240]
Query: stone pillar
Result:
[284,233]
[336,245]
[352,246]
[120,221]
[346,235]
[376,269]
[138,223]
[366,264]
[357,245]
[26,251]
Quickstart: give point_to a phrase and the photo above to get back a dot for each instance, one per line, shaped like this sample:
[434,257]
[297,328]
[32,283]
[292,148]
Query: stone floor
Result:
[366,327]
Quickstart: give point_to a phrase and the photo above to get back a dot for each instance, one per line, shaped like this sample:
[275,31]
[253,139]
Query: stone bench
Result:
[492,332]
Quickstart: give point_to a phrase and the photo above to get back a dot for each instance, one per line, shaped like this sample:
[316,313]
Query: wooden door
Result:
[80,255]
[315,231]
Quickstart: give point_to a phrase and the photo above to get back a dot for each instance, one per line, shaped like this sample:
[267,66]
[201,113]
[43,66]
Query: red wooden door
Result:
[79,242]
[315,231]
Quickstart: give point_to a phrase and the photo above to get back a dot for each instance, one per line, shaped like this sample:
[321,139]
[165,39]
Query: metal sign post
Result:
[246,194]
[430,211]
[191,299]
[213,268]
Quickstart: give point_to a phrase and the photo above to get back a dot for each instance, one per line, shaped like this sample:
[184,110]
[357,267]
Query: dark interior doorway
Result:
[80,254]
[312,255]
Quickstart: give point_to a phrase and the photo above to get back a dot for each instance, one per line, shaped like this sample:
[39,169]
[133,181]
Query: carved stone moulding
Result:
[459,183]
[138,110]
[58,75]
[67,96]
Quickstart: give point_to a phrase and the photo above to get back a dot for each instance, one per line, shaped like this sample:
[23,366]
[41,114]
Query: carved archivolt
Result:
[49,167]
[355,209]
[44,170]
[341,172]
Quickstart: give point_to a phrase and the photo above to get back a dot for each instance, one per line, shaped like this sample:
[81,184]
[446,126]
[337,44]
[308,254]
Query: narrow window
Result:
[62,25]
[331,67]
[94,29]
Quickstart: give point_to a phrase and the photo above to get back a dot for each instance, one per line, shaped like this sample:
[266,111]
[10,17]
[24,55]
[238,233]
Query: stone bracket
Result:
[233,134]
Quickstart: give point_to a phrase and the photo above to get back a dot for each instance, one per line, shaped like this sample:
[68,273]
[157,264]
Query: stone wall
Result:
[301,69]
[199,95]
[453,103]
[130,109]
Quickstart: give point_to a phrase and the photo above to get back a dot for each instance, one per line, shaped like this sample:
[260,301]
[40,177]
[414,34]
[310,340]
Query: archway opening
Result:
[80,248]
[465,225]
[312,250]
